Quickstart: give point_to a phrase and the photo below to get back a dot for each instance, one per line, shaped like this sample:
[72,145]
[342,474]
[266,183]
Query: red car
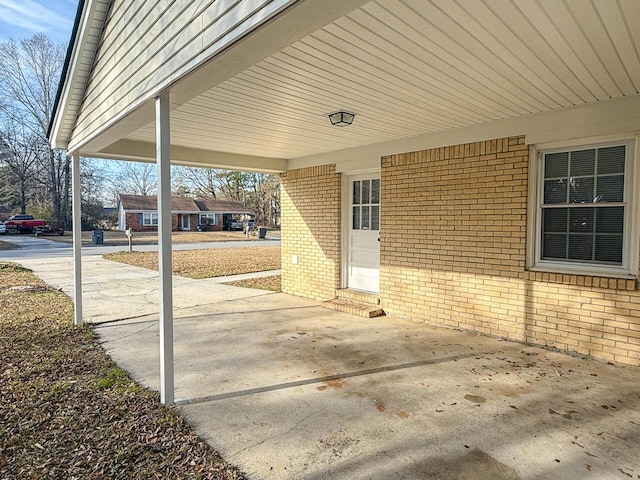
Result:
[22,223]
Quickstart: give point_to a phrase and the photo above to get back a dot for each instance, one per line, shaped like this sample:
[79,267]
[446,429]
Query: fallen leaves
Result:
[475,398]
[67,411]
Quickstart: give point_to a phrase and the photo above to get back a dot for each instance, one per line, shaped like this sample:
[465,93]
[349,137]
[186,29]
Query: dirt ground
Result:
[8,246]
[208,263]
[263,283]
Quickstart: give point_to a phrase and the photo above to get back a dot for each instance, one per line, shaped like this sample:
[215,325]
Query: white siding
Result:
[122,218]
[148,44]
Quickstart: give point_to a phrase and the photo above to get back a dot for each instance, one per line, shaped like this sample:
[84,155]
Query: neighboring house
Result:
[140,213]
[490,181]
[219,214]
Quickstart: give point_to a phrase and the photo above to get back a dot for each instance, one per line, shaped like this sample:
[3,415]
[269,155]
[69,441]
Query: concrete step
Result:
[365,310]
[358,296]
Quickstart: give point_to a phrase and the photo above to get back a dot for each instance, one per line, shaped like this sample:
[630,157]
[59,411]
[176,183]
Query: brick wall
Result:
[176,222]
[310,203]
[133,222]
[218,227]
[462,261]
[211,228]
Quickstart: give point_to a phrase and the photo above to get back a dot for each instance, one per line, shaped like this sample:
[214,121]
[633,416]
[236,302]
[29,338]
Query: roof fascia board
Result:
[146,152]
[63,85]
[78,43]
[137,210]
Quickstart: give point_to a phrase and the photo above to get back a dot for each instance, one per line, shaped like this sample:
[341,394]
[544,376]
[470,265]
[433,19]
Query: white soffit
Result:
[413,67]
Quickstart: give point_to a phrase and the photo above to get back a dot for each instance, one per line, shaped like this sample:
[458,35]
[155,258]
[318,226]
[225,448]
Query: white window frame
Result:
[630,243]
[148,219]
[370,205]
[208,215]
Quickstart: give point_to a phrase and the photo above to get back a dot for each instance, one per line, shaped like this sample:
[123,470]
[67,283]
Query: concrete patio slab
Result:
[287,390]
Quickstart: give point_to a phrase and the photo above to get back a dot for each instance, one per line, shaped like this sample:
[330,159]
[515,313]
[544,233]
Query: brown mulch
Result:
[208,263]
[263,283]
[68,411]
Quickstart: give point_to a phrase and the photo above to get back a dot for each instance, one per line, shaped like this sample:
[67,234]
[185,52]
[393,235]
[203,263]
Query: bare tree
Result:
[263,197]
[137,178]
[233,185]
[199,182]
[19,153]
[260,192]
[29,74]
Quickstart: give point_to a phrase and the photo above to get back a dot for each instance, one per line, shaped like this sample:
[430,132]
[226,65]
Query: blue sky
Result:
[22,18]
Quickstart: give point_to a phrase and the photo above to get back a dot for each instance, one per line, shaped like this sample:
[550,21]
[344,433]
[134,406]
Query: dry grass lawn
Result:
[67,410]
[116,238]
[208,263]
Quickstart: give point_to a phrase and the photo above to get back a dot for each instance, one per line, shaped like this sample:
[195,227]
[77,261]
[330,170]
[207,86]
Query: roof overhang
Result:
[192,157]
[415,73]
[85,38]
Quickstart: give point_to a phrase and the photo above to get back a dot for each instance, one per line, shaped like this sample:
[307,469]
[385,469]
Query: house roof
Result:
[182,204]
[221,206]
[150,202]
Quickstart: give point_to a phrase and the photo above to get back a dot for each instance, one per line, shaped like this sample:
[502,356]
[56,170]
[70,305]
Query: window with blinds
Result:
[583,205]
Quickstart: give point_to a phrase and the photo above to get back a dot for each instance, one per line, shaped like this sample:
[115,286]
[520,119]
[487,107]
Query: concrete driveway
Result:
[288,390]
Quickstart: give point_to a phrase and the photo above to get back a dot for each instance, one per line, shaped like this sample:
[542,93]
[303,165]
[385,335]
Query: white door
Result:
[363,255]
[186,222]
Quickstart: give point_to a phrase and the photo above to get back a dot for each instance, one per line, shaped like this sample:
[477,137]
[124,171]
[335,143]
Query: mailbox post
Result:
[129,234]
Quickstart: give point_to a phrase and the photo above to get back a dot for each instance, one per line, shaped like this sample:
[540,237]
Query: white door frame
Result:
[345,206]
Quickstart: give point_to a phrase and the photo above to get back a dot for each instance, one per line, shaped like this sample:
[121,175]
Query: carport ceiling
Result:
[411,67]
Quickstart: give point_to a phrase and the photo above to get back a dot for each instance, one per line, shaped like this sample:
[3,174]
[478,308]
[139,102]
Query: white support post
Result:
[164,248]
[77,239]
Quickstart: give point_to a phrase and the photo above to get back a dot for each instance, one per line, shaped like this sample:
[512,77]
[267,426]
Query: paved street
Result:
[41,247]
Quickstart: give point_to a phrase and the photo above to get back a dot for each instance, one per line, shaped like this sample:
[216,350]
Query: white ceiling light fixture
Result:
[341,118]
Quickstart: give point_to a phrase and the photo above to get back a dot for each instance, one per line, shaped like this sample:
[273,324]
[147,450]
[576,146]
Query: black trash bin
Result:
[98,237]
[262,232]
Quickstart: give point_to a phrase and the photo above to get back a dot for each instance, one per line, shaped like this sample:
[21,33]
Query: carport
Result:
[252,85]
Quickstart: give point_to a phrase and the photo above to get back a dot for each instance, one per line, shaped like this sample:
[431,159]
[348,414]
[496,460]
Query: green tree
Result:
[260,192]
